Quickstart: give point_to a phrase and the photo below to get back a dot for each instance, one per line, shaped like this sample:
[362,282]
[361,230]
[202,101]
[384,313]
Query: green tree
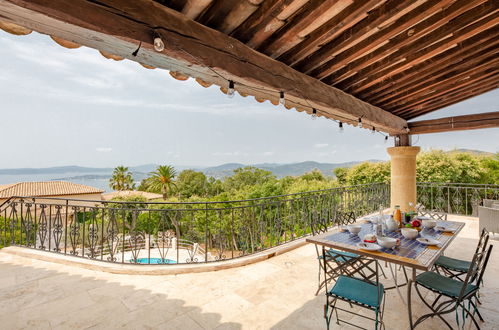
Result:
[490,165]
[247,176]
[191,183]
[341,174]
[161,180]
[315,174]
[121,179]
[368,173]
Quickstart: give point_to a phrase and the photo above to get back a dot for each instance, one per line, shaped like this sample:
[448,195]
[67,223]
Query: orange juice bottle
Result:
[397,215]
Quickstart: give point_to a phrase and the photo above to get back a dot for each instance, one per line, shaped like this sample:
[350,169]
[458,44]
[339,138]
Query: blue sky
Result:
[74,107]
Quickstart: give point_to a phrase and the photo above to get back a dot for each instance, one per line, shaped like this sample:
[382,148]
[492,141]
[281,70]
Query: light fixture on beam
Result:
[314,113]
[282,100]
[386,138]
[231,90]
[341,127]
[373,130]
[158,44]
[360,122]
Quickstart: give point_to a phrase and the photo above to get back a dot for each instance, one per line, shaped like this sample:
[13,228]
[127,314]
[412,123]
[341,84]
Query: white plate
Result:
[427,241]
[422,218]
[443,229]
[369,246]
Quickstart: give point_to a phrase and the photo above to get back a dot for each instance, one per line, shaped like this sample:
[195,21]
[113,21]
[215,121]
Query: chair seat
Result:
[453,264]
[442,284]
[356,290]
[344,256]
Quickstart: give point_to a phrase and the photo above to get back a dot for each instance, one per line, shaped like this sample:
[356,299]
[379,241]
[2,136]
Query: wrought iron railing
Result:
[455,198]
[172,233]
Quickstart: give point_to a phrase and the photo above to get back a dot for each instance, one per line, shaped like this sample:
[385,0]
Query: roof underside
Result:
[407,57]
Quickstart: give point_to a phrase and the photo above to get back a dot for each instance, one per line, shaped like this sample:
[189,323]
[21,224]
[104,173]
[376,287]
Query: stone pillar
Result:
[403,177]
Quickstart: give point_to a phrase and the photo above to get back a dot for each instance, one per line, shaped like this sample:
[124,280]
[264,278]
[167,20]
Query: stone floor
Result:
[277,293]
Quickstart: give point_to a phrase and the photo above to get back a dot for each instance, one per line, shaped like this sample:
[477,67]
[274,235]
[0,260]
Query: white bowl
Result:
[409,233]
[387,242]
[429,223]
[354,229]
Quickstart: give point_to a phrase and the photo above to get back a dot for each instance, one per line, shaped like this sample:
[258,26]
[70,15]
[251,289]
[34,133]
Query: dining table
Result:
[410,253]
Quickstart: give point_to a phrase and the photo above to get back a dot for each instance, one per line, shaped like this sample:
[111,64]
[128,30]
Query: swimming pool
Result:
[154,261]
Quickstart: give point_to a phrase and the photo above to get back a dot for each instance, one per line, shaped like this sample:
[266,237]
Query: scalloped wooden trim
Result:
[179,76]
[111,56]
[65,43]
[14,29]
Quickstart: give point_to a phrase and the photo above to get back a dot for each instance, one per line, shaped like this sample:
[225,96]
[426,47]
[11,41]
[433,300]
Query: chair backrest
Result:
[318,225]
[476,270]
[344,218]
[362,267]
[482,242]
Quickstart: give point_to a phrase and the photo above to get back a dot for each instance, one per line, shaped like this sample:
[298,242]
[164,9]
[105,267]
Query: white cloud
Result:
[103,149]
[230,153]
[321,145]
[268,153]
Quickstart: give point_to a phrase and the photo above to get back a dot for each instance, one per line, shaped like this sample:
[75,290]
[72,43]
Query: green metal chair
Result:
[457,268]
[333,262]
[366,292]
[456,293]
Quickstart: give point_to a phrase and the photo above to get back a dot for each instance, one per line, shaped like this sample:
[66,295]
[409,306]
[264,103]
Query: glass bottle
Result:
[397,215]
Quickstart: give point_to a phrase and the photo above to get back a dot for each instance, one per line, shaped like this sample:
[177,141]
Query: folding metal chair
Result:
[455,292]
[345,218]
[330,267]
[366,292]
[457,268]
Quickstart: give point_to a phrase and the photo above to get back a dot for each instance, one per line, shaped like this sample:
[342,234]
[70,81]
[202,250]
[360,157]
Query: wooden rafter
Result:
[308,18]
[442,63]
[327,32]
[119,26]
[411,34]
[392,34]
[476,67]
[489,74]
[466,122]
[454,97]
[359,31]
[426,47]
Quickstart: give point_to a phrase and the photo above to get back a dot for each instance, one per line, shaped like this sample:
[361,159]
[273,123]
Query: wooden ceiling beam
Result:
[447,36]
[120,26]
[309,17]
[355,58]
[453,97]
[485,76]
[375,18]
[266,20]
[328,31]
[443,62]
[349,61]
[194,8]
[449,102]
[442,79]
[456,123]
[240,11]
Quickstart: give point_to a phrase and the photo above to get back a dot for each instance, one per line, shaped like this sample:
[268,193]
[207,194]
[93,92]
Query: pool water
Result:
[154,261]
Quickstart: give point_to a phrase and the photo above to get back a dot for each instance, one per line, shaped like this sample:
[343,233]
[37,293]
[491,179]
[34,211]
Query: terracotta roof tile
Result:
[48,188]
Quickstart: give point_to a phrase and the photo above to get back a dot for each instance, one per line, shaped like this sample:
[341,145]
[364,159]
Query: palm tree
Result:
[122,179]
[162,179]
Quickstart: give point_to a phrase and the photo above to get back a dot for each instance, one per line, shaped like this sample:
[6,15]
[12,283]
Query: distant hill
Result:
[472,151]
[72,173]
[280,170]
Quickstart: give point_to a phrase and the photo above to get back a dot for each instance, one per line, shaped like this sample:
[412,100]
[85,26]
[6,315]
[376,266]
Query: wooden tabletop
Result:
[410,253]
